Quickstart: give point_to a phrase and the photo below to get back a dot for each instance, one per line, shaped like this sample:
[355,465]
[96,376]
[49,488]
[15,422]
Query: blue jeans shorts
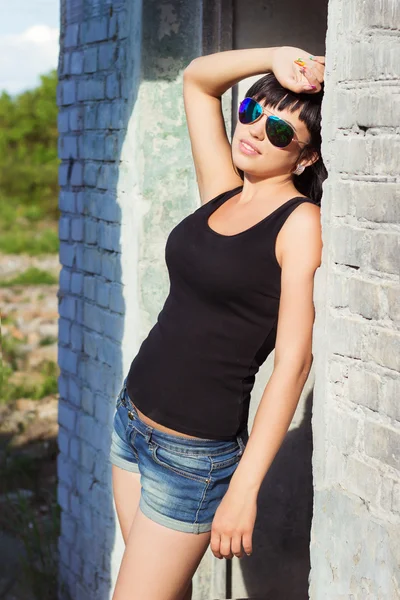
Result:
[183,480]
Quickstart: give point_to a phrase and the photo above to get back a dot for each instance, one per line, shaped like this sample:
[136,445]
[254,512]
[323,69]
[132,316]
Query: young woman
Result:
[186,473]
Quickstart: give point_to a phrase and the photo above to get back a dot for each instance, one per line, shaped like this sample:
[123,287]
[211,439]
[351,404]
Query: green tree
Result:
[29,165]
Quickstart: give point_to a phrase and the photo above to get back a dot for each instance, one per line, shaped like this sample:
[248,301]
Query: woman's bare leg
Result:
[126,490]
[158,562]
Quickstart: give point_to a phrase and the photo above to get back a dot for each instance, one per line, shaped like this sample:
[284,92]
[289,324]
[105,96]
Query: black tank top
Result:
[195,370]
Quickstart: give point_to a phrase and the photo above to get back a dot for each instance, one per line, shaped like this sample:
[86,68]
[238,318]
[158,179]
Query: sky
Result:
[29,31]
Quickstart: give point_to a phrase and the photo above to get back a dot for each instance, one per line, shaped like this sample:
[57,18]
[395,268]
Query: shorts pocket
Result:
[227,459]
[192,467]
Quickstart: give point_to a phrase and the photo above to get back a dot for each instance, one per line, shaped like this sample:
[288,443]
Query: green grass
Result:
[33,243]
[10,391]
[27,229]
[31,276]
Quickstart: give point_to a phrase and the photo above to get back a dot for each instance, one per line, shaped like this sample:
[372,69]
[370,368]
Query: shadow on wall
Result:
[280,563]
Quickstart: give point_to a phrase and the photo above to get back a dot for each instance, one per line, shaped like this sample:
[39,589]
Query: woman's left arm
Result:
[234,519]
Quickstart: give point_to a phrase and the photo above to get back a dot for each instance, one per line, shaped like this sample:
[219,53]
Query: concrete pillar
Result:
[355,549]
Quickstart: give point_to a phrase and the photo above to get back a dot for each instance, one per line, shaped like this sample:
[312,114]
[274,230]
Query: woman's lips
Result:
[247,149]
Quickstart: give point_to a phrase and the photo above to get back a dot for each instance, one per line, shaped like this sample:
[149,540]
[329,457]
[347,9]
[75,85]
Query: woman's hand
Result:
[233,524]
[298,77]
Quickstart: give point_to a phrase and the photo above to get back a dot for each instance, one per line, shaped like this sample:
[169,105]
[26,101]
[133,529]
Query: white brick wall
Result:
[356,525]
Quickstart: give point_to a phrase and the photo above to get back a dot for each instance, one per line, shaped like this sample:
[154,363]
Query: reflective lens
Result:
[279,132]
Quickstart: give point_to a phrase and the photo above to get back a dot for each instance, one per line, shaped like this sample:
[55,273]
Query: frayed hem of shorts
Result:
[171,523]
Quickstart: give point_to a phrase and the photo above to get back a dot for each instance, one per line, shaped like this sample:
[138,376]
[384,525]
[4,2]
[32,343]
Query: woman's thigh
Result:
[126,490]
[158,562]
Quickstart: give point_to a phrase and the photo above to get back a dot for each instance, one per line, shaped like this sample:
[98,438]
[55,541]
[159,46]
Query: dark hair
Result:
[310,181]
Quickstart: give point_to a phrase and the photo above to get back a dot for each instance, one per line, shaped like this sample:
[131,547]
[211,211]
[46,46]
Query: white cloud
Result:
[26,55]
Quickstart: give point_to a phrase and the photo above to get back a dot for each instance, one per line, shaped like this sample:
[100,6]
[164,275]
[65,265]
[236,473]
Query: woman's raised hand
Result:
[298,70]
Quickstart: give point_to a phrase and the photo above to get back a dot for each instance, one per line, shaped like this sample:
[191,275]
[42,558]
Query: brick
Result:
[68,92]
[91,260]
[346,337]
[76,64]
[382,443]
[63,228]
[63,174]
[68,360]
[77,283]
[105,115]
[104,410]
[64,327]
[111,150]
[92,342]
[392,294]
[88,456]
[76,338]
[68,147]
[66,201]
[103,294]
[112,86]
[382,347]
[390,397]
[63,121]
[67,307]
[63,386]
[385,251]
[77,229]
[90,173]
[76,118]
[66,416]
[94,30]
[350,245]
[365,298]
[93,146]
[91,89]
[365,61]
[108,236]
[370,154]
[361,479]
[89,287]
[77,174]
[66,471]
[373,201]
[113,325]
[67,254]
[68,527]
[109,351]
[90,60]
[63,496]
[90,116]
[364,388]
[93,316]
[107,55]
[90,231]
[63,441]
[108,177]
[71,35]
[88,400]
[64,279]
[342,430]
[117,302]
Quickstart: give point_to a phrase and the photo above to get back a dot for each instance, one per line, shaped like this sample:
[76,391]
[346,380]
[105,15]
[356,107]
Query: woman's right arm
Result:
[205,79]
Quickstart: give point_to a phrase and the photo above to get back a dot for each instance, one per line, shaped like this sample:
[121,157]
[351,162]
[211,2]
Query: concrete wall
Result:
[355,547]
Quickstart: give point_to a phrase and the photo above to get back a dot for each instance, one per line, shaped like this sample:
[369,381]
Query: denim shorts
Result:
[183,480]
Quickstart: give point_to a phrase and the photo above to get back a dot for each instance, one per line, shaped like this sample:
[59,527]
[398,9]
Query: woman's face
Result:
[270,160]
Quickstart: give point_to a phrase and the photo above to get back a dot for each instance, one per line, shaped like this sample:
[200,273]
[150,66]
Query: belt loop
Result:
[149,433]
[241,443]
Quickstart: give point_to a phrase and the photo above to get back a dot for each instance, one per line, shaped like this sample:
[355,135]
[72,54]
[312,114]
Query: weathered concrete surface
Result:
[355,537]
